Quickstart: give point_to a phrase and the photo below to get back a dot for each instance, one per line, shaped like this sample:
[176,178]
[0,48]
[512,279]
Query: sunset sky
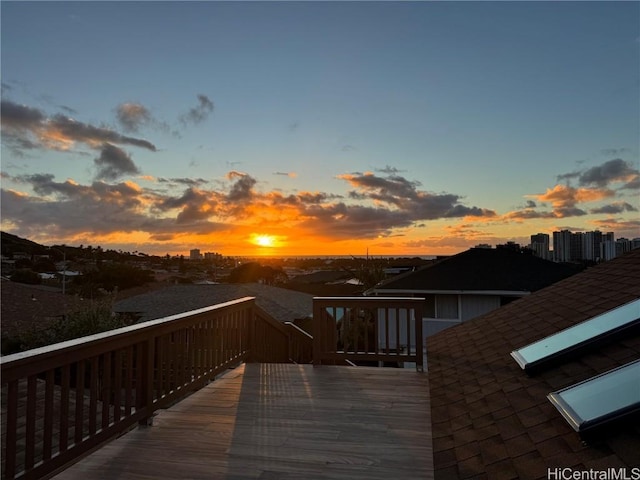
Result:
[318,128]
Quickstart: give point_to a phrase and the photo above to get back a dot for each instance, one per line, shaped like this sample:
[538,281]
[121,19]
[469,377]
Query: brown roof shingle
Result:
[491,420]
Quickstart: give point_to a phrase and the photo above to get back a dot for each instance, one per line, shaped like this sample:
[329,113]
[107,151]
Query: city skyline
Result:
[313,128]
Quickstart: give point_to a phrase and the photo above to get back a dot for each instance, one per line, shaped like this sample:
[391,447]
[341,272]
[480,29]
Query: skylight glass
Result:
[601,399]
[577,336]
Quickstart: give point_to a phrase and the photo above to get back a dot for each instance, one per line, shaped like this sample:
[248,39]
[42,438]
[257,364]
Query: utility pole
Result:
[64,275]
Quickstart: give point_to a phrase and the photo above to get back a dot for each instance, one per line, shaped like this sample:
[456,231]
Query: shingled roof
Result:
[491,420]
[482,269]
[25,306]
[283,305]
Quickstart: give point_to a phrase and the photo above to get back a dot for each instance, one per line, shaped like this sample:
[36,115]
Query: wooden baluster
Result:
[386,331]
[64,409]
[47,440]
[117,385]
[128,393]
[106,390]
[140,391]
[398,336]
[30,422]
[79,410]
[93,396]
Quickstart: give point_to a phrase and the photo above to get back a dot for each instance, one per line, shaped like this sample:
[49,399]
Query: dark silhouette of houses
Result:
[471,283]
[281,304]
[490,419]
[25,307]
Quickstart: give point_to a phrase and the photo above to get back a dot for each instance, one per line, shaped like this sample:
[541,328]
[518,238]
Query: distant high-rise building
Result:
[589,251]
[607,250]
[623,245]
[195,254]
[211,256]
[540,245]
[575,247]
[583,246]
[562,246]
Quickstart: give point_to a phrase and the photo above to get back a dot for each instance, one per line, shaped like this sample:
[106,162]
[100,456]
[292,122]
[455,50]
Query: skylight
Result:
[570,339]
[600,399]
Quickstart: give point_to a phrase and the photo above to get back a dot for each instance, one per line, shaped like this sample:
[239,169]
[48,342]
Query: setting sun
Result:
[264,240]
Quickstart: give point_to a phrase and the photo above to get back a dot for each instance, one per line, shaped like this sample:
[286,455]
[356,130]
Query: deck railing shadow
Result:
[62,401]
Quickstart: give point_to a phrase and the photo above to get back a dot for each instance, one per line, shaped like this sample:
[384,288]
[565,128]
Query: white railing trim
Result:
[291,324]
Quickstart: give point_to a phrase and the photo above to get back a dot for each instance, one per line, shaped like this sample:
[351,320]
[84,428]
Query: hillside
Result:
[10,244]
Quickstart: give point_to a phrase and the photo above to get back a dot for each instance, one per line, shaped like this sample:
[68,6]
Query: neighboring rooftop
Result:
[491,420]
[482,269]
[283,305]
[23,306]
[322,276]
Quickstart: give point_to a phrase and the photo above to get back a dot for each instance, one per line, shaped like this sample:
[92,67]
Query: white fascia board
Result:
[509,293]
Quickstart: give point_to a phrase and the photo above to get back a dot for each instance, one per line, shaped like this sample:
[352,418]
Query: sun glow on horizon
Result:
[262,240]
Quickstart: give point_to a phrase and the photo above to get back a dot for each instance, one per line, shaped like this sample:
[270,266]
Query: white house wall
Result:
[449,309]
[476,305]
[447,306]
[431,326]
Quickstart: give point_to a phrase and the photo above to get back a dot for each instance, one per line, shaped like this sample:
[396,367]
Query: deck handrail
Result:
[61,401]
[368,329]
[300,344]
[279,342]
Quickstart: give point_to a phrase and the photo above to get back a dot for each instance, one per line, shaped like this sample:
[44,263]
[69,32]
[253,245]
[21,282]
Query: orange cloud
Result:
[562,196]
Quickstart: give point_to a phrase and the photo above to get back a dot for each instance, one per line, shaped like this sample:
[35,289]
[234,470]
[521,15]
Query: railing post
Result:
[419,339]
[316,328]
[11,428]
[251,340]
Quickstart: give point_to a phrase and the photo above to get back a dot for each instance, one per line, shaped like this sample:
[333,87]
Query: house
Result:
[491,419]
[464,286]
[281,304]
[24,307]
[326,283]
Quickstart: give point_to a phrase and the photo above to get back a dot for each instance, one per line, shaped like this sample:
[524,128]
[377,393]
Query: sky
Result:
[318,128]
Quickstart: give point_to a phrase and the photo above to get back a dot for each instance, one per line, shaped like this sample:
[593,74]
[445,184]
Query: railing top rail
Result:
[299,330]
[105,337]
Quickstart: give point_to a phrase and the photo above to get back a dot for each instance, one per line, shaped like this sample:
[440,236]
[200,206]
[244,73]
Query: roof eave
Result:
[510,293]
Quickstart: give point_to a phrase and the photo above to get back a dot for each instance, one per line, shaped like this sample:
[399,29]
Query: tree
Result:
[24,263]
[253,272]
[111,276]
[96,317]
[26,275]
[369,272]
[44,265]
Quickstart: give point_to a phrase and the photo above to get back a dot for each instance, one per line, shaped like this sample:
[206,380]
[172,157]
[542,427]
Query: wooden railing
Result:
[367,329]
[300,344]
[61,401]
[276,342]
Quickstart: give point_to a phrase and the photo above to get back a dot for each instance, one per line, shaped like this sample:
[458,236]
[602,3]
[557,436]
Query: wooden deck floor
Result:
[281,421]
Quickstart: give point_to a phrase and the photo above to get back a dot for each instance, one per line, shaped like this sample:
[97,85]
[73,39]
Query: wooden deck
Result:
[281,421]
